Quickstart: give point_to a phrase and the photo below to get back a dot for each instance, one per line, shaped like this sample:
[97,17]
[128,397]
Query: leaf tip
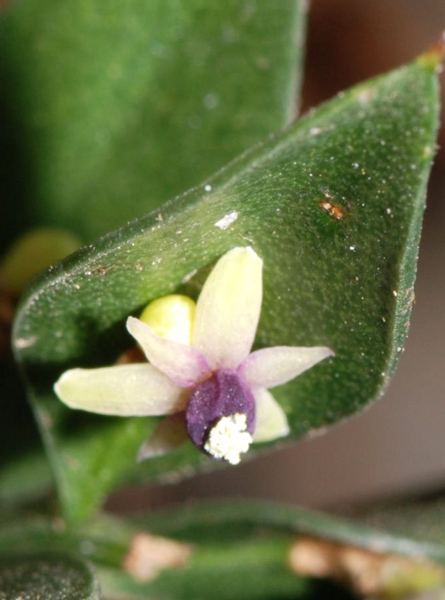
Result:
[435,55]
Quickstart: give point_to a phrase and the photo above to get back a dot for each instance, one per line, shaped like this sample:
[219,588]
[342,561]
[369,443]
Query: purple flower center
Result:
[224,394]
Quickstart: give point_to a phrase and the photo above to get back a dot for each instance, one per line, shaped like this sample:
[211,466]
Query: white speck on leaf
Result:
[189,275]
[227,220]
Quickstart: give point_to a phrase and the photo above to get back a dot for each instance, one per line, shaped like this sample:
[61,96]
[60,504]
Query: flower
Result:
[203,376]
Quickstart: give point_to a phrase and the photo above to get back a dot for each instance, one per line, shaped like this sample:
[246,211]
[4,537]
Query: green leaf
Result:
[415,530]
[220,567]
[25,478]
[110,108]
[24,468]
[419,525]
[242,549]
[107,109]
[334,208]
[394,535]
[411,554]
[254,569]
[48,576]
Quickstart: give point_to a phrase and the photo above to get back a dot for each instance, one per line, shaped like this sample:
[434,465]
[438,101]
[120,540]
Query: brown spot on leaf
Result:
[334,211]
[149,555]
[101,270]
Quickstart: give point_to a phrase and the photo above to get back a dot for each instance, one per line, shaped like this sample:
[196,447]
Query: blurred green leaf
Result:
[333,206]
[107,109]
[239,548]
[25,478]
[417,524]
[219,568]
[110,108]
[254,569]
[416,530]
[47,576]
[24,468]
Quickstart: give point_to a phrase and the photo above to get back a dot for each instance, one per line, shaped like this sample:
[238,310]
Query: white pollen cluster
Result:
[229,438]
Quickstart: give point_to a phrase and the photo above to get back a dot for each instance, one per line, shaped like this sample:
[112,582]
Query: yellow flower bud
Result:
[171,317]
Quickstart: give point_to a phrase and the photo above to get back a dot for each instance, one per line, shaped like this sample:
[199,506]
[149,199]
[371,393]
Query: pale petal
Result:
[168,435]
[273,366]
[124,391]
[271,421]
[184,364]
[228,309]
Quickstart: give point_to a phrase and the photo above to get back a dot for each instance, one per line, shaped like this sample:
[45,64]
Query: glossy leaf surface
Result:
[333,206]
